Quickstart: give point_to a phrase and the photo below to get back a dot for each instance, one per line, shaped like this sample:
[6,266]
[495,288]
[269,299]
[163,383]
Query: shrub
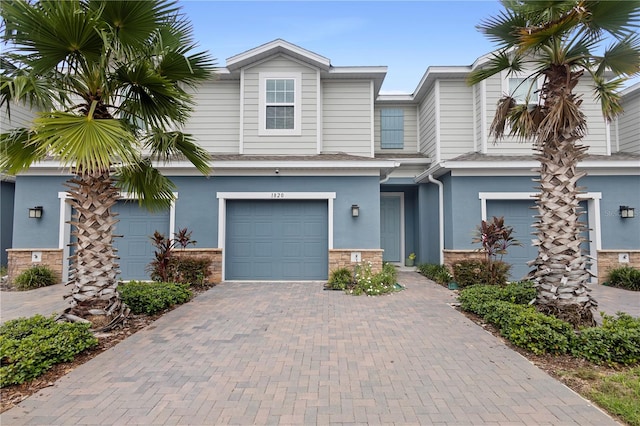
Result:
[470,272]
[625,277]
[160,267]
[30,346]
[435,272]
[151,298]
[35,277]
[340,279]
[366,282]
[616,341]
[475,298]
[188,270]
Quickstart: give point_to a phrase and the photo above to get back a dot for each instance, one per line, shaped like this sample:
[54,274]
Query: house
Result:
[313,169]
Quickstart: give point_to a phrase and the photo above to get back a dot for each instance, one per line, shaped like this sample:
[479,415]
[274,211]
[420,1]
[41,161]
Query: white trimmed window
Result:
[279,104]
[392,128]
[522,89]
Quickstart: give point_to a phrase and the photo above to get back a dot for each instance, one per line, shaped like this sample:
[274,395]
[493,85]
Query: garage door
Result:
[520,215]
[276,240]
[136,226]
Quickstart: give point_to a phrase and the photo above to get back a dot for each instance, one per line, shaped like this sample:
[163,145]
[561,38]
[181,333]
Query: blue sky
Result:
[406,36]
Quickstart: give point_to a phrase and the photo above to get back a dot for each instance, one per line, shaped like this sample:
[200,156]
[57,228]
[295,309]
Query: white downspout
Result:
[440,215]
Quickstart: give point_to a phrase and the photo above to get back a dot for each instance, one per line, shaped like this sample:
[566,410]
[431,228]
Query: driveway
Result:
[291,353]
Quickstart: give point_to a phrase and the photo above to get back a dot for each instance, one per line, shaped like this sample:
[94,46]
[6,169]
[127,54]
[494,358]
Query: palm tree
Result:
[110,77]
[559,42]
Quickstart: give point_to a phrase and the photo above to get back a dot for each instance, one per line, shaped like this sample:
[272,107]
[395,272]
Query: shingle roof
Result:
[476,156]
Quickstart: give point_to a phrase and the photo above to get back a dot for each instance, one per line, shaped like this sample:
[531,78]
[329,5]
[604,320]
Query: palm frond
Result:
[167,146]
[499,61]
[89,145]
[563,118]
[608,94]
[523,121]
[503,110]
[153,190]
[501,29]
[18,151]
[618,18]
[622,58]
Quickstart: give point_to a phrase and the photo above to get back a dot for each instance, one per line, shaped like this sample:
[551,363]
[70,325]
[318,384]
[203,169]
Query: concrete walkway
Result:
[291,353]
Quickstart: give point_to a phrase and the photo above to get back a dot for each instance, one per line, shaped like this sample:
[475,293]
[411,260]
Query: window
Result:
[521,88]
[279,104]
[392,128]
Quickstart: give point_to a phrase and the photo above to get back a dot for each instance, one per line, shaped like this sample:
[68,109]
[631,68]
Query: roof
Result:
[476,156]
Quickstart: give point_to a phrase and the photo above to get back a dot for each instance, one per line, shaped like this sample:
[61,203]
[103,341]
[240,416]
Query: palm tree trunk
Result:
[561,269]
[94,268]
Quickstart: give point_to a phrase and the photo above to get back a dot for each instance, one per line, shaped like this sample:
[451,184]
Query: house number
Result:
[277,195]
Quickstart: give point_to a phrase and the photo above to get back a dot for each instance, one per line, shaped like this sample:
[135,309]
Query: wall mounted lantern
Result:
[627,212]
[355,210]
[35,212]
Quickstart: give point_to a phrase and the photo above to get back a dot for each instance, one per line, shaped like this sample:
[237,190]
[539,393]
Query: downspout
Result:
[440,215]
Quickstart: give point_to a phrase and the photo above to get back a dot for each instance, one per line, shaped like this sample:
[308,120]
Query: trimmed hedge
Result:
[617,341]
[31,346]
[154,297]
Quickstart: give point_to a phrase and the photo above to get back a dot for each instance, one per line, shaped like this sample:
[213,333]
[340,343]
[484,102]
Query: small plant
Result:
[35,277]
[470,272]
[189,270]
[161,267]
[625,277]
[412,256]
[435,272]
[151,298]
[340,279]
[616,341]
[495,238]
[31,346]
[366,282]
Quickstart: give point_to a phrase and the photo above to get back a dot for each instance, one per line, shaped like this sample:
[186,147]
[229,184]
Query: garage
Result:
[137,225]
[279,240]
[519,214]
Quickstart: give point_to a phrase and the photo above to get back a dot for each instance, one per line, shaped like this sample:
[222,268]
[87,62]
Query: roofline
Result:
[241,59]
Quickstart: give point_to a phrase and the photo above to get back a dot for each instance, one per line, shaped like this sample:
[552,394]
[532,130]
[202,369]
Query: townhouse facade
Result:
[313,169]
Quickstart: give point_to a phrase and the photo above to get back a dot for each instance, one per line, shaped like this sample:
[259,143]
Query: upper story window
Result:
[392,128]
[522,89]
[279,104]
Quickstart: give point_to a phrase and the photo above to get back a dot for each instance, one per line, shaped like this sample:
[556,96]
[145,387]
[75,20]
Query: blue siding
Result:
[7,191]
[197,205]
[428,225]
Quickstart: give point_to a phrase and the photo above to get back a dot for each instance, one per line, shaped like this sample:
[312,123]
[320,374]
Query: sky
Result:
[405,36]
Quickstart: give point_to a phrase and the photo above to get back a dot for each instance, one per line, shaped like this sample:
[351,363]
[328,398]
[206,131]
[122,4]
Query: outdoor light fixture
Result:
[355,210]
[627,212]
[35,212]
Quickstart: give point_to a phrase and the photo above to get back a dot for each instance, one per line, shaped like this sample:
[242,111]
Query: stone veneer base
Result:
[214,254]
[341,258]
[20,260]
[609,259]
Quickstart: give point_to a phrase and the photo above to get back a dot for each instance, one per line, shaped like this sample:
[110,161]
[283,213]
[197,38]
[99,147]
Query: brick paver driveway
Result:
[290,353]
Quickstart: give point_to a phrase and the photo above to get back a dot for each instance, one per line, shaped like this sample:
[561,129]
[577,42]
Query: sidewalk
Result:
[291,353]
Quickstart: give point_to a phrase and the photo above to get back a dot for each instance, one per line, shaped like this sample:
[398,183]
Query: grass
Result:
[619,394]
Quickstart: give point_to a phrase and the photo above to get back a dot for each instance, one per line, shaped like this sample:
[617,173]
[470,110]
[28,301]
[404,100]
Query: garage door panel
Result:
[291,235]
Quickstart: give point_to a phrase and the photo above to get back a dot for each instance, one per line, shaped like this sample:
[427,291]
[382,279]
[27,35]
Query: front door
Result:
[391,227]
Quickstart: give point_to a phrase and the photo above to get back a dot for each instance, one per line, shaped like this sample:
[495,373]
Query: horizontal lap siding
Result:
[410,130]
[304,144]
[456,118]
[215,121]
[347,117]
[20,117]
[427,123]
[629,125]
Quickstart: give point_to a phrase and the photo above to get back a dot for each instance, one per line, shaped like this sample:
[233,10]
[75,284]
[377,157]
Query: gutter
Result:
[440,215]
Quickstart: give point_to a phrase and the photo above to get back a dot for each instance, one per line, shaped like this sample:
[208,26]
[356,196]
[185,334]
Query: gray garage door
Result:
[520,215]
[276,240]
[136,226]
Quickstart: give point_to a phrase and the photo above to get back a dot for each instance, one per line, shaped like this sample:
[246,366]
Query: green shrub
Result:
[35,277]
[537,332]
[151,298]
[340,279]
[189,270]
[474,298]
[30,346]
[616,341]
[435,272]
[470,272]
[625,277]
[521,293]
[389,274]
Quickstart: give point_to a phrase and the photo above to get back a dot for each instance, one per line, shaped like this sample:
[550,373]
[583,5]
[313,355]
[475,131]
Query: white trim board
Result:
[276,195]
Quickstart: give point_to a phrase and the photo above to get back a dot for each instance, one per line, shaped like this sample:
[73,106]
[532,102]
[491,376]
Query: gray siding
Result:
[346,117]
[410,130]
[427,123]
[456,118]
[21,116]
[306,142]
[629,124]
[215,121]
